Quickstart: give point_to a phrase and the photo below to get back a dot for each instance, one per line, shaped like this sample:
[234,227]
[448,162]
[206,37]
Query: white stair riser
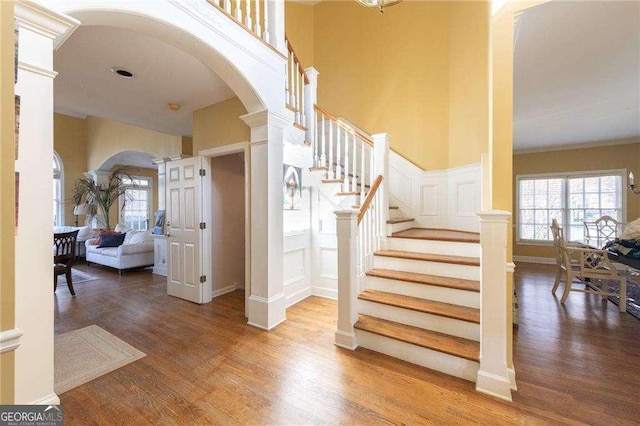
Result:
[397,227]
[450,326]
[470,299]
[431,268]
[435,247]
[395,213]
[445,363]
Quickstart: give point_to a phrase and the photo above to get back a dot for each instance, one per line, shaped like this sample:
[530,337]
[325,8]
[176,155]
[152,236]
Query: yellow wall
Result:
[70,142]
[388,73]
[187,145]
[218,125]
[299,30]
[468,82]
[106,138]
[7,193]
[625,156]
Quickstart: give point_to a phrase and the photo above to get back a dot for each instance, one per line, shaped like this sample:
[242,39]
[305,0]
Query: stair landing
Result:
[438,235]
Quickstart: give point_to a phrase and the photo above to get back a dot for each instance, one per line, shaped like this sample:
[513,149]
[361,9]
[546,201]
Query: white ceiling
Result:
[162,73]
[577,74]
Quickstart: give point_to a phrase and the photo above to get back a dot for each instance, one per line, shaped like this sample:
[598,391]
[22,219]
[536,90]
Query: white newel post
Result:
[493,375]
[266,306]
[41,31]
[275,18]
[311,98]
[347,229]
[381,142]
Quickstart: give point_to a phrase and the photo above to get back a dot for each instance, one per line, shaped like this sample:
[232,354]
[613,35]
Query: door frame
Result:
[236,148]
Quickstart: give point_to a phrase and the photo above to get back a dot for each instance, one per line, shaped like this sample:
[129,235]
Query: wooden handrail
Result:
[365,138]
[369,199]
[295,57]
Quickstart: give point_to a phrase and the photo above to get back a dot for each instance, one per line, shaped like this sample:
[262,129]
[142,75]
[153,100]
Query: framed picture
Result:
[291,187]
[158,226]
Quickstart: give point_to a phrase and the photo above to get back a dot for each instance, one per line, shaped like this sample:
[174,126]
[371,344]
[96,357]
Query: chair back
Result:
[64,248]
[602,230]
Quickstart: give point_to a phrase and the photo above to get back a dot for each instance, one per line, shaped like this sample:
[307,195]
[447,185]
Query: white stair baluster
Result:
[247,16]
[265,34]
[239,10]
[362,169]
[292,101]
[354,169]
[324,141]
[227,6]
[347,182]
[303,118]
[339,155]
[332,170]
[257,26]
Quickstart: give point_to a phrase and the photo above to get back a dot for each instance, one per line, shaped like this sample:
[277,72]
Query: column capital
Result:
[42,20]
[265,117]
[494,216]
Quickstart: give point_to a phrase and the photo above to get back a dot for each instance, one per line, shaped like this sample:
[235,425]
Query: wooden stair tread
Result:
[456,346]
[413,277]
[400,220]
[332,180]
[317,169]
[341,194]
[438,235]
[429,257]
[448,310]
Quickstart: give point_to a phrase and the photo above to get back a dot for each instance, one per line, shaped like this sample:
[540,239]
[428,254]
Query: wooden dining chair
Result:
[590,268]
[64,256]
[602,230]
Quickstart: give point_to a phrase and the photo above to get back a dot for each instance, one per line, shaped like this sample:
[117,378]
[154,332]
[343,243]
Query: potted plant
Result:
[100,197]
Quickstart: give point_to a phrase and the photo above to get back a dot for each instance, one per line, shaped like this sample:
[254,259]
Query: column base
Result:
[494,385]
[511,372]
[346,340]
[267,313]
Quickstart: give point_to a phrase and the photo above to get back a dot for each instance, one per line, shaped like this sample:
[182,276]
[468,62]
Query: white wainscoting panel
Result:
[296,266]
[437,198]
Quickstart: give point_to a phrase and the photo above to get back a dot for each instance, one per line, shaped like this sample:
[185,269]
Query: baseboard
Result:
[327,293]
[52,399]
[298,296]
[532,259]
[511,372]
[224,290]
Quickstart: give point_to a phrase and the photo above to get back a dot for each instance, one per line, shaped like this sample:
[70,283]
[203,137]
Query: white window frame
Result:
[58,175]
[566,175]
[149,187]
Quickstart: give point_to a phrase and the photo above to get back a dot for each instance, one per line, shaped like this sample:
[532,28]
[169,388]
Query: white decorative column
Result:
[347,230]
[266,306]
[493,375]
[160,241]
[311,98]
[381,142]
[41,31]
[162,184]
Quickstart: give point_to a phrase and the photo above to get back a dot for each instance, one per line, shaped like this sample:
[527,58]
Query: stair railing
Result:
[346,154]
[296,80]
[253,15]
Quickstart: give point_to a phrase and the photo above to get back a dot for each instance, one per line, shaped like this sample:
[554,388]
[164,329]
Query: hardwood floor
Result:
[204,365]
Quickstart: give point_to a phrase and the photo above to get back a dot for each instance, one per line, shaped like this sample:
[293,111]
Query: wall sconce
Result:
[632,184]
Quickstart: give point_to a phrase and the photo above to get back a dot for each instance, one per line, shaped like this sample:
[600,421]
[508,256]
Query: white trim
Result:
[298,296]
[224,290]
[532,259]
[218,151]
[511,267]
[51,399]
[327,293]
[494,385]
[10,340]
[512,378]
[37,70]
[576,146]
[237,148]
[44,21]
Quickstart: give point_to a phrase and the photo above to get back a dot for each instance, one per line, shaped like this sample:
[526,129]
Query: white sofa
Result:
[135,252]
[84,233]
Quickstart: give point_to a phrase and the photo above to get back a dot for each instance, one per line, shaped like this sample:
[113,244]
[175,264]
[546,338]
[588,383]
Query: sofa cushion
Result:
[111,240]
[138,238]
[110,251]
[135,248]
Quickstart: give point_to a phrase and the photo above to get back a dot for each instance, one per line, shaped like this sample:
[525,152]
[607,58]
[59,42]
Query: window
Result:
[135,204]
[571,199]
[58,220]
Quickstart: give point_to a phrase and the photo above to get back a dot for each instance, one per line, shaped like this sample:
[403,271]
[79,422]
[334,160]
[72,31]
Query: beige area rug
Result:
[88,353]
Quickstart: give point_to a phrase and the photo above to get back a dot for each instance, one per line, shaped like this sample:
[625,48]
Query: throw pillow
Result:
[138,238]
[104,232]
[111,240]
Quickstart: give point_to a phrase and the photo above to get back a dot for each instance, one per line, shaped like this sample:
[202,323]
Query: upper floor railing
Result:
[296,81]
[253,15]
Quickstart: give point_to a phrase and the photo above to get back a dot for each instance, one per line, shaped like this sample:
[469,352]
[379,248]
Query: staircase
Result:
[421,300]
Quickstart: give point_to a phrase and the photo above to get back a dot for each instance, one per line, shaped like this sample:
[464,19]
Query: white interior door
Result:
[186,188]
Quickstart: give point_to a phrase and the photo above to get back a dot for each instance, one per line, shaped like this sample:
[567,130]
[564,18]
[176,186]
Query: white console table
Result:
[160,255]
